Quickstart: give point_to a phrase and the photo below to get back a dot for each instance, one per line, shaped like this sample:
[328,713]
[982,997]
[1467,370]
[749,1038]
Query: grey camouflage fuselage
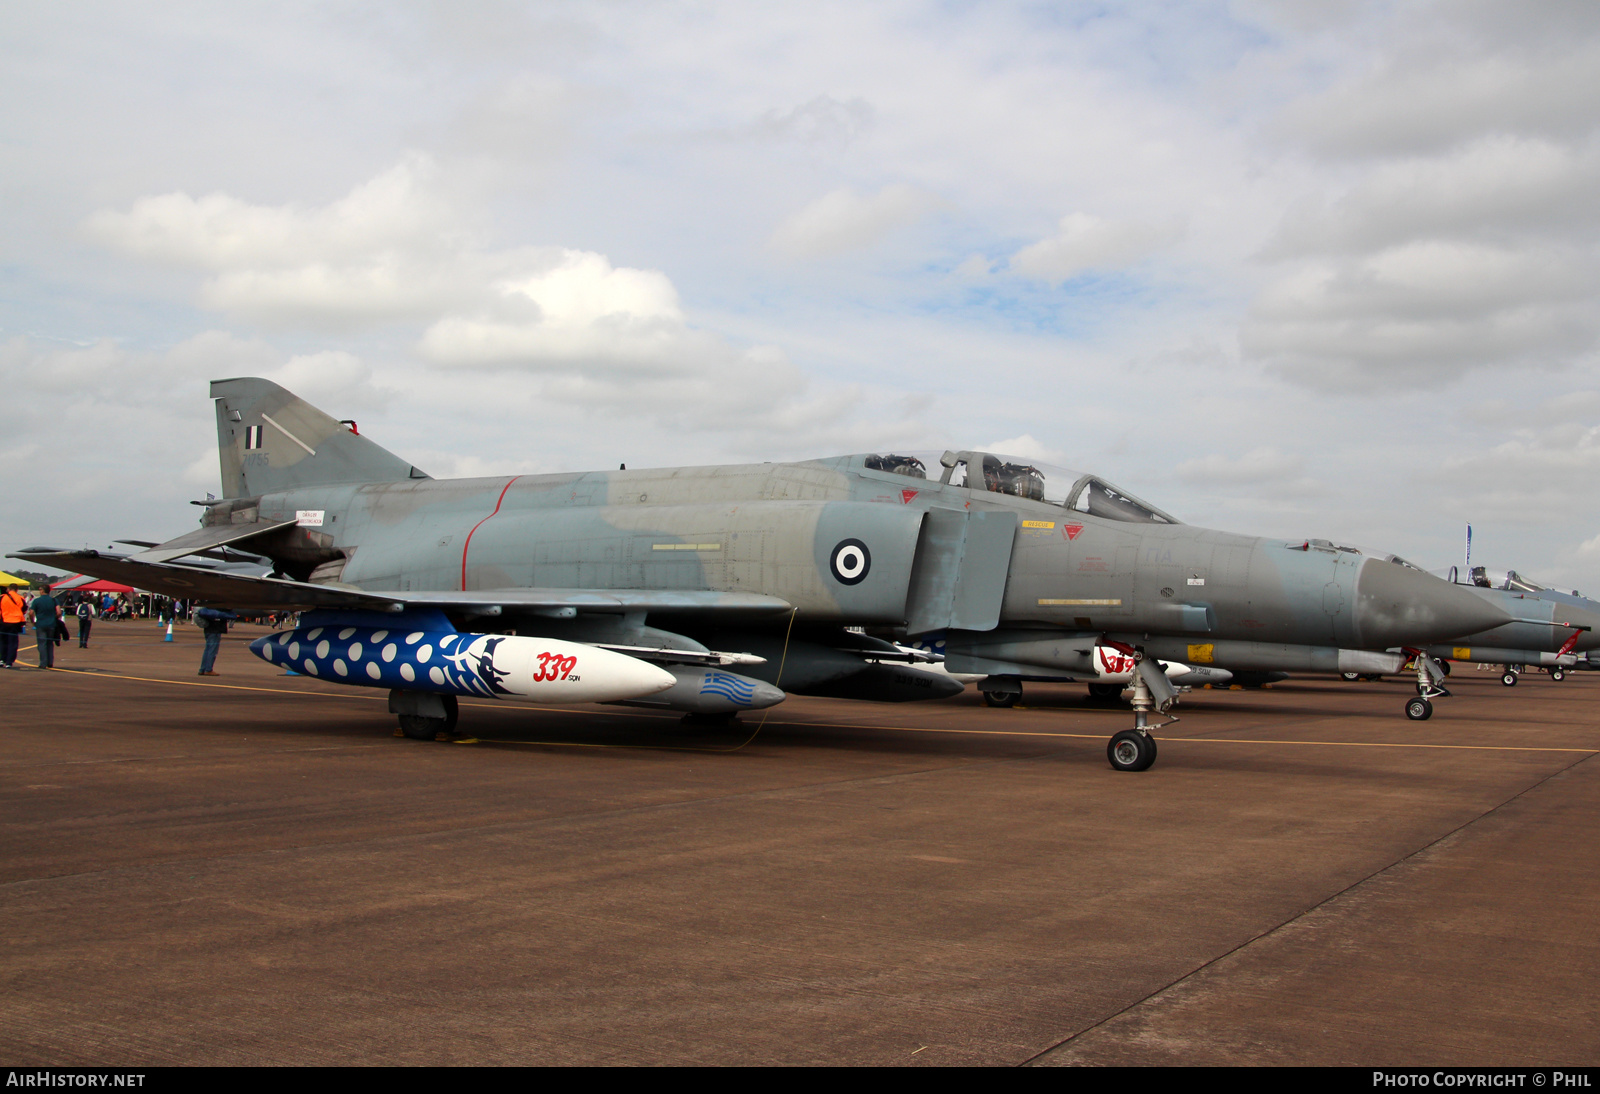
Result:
[1018,584]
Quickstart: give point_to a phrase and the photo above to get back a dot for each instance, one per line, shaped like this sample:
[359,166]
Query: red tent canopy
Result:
[78,583]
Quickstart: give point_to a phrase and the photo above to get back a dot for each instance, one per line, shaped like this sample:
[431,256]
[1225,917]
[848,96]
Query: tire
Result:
[1350,677]
[1445,665]
[1419,710]
[1105,691]
[1558,674]
[419,728]
[1509,679]
[1001,698]
[1131,750]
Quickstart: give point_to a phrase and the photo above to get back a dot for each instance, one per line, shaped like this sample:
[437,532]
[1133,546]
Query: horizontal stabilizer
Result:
[205,539]
[280,594]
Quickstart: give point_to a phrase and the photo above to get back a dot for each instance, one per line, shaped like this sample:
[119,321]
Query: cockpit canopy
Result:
[1024,478]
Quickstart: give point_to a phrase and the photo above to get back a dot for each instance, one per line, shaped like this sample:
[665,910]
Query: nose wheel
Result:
[1131,750]
[1135,749]
[1419,709]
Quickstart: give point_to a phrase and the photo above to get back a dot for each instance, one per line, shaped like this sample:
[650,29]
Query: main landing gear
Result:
[1430,686]
[996,695]
[423,716]
[1135,749]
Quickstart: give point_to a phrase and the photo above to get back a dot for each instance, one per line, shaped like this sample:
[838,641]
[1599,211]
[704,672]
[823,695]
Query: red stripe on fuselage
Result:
[475,528]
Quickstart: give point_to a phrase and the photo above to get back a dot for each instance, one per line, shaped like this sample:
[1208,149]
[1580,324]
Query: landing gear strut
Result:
[1430,686]
[1135,749]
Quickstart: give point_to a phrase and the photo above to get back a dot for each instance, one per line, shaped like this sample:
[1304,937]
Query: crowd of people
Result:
[52,618]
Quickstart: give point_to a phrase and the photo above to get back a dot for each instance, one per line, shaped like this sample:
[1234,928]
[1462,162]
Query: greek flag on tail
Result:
[735,689]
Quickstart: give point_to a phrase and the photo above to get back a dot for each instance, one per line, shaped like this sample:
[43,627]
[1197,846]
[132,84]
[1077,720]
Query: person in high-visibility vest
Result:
[13,613]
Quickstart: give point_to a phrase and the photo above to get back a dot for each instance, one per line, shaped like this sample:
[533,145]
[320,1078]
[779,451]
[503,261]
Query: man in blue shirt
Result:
[215,623]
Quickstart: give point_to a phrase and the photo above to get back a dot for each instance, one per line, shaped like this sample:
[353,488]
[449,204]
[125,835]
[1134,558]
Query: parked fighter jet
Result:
[1549,628]
[710,589]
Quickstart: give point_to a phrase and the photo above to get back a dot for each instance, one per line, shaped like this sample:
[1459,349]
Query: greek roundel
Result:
[850,562]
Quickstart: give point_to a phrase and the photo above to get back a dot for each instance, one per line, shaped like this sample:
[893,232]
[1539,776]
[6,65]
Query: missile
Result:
[449,662]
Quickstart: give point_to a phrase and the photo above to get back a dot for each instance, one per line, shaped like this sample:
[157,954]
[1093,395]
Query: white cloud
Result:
[1260,465]
[848,220]
[823,120]
[1447,90]
[391,248]
[1412,313]
[1496,190]
[1028,448]
[1087,243]
[577,308]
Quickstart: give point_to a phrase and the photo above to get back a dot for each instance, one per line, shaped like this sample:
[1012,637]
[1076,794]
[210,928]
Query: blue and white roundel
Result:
[850,562]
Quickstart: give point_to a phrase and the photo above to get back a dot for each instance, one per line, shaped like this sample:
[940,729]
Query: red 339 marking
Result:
[553,666]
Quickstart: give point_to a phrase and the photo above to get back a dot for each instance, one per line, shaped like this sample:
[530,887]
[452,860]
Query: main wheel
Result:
[1445,666]
[1002,698]
[1419,710]
[1350,677]
[1131,750]
[1105,691]
[1558,673]
[1509,679]
[422,728]
[419,728]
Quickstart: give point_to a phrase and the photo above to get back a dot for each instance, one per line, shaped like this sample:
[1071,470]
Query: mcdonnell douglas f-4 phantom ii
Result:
[717,589]
[1549,628]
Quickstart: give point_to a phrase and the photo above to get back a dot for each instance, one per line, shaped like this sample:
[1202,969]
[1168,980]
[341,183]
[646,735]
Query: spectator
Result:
[13,613]
[85,617]
[46,616]
[215,622]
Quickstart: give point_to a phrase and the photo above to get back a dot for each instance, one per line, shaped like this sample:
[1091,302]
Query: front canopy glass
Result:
[1024,478]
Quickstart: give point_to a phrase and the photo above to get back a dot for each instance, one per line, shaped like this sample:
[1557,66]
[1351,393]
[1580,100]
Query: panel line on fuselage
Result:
[468,544]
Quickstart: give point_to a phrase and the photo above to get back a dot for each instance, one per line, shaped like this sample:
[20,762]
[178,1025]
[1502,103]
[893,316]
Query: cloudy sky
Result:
[1298,268]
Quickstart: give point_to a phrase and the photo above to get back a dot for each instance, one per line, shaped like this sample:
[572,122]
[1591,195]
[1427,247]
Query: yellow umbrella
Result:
[12,579]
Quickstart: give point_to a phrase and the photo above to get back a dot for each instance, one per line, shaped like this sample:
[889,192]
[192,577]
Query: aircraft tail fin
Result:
[269,440]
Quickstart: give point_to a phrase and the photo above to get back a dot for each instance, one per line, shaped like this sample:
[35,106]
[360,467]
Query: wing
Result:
[280,594]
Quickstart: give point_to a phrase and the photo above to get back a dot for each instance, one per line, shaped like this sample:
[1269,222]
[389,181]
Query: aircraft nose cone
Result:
[1399,606]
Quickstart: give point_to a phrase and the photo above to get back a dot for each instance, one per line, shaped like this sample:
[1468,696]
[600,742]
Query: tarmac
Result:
[252,869]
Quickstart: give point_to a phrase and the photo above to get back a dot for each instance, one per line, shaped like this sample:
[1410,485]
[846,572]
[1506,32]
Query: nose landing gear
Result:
[1430,686]
[1135,749]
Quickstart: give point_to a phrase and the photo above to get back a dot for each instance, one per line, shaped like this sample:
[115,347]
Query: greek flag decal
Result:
[252,437]
[735,689]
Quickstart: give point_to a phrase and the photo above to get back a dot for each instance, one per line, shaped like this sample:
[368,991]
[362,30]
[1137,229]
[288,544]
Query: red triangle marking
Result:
[907,495]
[1072,530]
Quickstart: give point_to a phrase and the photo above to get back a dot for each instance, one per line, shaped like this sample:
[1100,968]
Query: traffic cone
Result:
[168,638]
